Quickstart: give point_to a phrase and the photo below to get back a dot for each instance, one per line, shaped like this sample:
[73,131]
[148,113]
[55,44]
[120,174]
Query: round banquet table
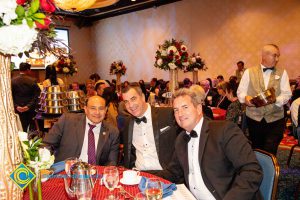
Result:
[54,188]
[219,114]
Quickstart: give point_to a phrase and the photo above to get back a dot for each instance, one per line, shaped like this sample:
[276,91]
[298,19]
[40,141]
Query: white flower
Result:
[44,155]
[66,70]
[193,59]
[196,69]
[23,136]
[7,10]
[18,38]
[277,77]
[119,67]
[185,64]
[164,53]
[183,48]
[159,62]
[172,66]
[172,48]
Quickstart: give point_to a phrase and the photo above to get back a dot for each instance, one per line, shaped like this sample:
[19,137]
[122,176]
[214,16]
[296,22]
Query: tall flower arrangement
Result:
[117,67]
[172,54]
[195,63]
[24,25]
[66,65]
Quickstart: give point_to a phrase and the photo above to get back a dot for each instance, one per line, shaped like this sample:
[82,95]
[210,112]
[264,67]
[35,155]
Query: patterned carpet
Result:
[289,178]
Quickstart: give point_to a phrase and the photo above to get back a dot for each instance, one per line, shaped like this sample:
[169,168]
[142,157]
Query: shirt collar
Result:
[198,127]
[147,114]
[90,122]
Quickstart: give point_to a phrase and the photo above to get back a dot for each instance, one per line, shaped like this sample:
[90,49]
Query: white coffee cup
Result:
[130,176]
[209,98]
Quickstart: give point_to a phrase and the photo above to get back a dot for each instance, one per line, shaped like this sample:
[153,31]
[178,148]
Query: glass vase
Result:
[173,80]
[195,77]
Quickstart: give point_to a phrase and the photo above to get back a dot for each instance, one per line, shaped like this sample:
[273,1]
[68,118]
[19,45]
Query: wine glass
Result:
[153,189]
[111,180]
[69,162]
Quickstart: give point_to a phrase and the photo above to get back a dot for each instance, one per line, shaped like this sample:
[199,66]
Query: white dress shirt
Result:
[294,111]
[285,89]
[196,183]
[143,141]
[84,151]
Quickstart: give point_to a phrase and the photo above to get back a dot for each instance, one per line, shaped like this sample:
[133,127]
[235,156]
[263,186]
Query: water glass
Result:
[69,162]
[111,179]
[140,196]
[153,189]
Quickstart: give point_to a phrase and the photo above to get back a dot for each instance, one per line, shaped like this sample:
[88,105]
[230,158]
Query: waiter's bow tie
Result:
[270,68]
[139,120]
[193,134]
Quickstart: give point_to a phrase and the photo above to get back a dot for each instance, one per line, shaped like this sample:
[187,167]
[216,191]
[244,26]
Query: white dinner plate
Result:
[137,181]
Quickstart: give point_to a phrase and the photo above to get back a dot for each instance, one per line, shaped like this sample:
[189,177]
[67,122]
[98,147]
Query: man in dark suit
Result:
[214,157]
[25,92]
[149,134]
[85,136]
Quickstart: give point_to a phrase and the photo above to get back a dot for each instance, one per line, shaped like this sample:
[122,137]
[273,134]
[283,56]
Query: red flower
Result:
[46,24]
[21,2]
[47,5]
[177,57]
[171,52]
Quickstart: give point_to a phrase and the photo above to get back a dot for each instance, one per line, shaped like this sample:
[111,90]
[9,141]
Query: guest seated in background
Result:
[240,70]
[187,83]
[211,95]
[85,135]
[214,157]
[199,91]
[149,134]
[234,110]
[112,103]
[75,86]
[95,77]
[295,117]
[51,77]
[100,85]
[220,79]
[90,89]
[223,101]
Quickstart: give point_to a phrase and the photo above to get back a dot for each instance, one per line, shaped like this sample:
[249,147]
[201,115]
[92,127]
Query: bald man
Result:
[85,135]
[265,123]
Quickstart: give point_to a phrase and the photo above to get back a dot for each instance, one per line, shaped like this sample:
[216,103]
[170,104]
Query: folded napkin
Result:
[58,167]
[167,188]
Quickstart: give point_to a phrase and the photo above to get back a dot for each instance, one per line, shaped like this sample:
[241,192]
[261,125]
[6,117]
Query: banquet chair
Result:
[270,167]
[296,133]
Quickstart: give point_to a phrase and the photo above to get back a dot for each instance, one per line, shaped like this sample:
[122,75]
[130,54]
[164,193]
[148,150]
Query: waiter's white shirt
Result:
[285,89]
[96,130]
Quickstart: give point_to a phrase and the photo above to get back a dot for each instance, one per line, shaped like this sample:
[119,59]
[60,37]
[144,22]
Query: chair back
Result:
[270,167]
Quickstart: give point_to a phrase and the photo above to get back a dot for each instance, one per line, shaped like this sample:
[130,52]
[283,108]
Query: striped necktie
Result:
[91,146]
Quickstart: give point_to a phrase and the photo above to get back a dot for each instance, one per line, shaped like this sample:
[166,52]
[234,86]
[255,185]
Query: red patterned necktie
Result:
[91,146]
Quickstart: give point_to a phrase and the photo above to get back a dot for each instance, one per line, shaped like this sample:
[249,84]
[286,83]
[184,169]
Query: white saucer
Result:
[137,181]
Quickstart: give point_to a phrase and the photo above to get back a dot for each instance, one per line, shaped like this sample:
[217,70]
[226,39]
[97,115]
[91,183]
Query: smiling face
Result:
[187,114]
[95,109]
[135,103]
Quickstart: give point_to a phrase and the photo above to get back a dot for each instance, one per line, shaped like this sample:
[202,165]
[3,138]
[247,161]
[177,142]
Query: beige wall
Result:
[223,31]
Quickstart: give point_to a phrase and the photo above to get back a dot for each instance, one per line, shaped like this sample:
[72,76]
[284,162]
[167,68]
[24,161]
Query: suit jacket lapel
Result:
[103,136]
[203,139]
[80,131]
[156,132]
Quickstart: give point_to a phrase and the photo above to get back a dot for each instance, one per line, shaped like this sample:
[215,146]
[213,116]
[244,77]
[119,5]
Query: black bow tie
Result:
[271,68]
[139,120]
[193,134]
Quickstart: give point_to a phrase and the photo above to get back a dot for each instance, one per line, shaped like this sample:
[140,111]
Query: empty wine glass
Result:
[111,180]
[153,189]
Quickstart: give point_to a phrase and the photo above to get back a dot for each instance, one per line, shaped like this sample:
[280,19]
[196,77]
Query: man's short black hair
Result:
[240,62]
[24,66]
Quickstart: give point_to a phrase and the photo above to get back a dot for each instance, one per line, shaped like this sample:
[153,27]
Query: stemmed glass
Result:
[153,189]
[111,180]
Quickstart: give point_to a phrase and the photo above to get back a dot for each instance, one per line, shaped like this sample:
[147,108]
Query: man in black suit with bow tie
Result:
[214,157]
[149,134]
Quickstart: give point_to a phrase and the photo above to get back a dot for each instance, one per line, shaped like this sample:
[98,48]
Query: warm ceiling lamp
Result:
[80,5]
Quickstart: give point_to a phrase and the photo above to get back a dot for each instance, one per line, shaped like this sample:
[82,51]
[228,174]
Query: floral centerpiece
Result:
[36,158]
[171,55]
[66,65]
[117,67]
[195,63]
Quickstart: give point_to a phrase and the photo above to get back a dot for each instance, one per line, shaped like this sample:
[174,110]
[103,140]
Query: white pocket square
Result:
[165,128]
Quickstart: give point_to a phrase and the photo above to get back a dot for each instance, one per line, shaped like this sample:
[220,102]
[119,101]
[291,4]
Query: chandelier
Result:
[80,5]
